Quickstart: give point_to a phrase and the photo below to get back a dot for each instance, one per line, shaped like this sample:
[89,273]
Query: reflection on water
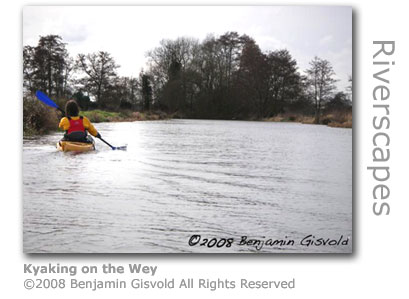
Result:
[222,179]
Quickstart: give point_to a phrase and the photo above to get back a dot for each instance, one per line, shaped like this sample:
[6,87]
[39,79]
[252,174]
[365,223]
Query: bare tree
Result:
[253,79]
[146,90]
[168,64]
[29,68]
[45,66]
[321,83]
[67,72]
[349,88]
[100,74]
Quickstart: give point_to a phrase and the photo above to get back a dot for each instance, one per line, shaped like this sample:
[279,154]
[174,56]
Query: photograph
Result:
[187,129]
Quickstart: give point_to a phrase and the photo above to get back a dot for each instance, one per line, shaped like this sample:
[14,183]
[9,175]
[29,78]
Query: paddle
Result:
[121,148]
[46,100]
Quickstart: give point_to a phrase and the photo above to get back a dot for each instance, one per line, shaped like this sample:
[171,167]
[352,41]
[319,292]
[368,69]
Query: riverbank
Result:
[335,119]
[98,116]
[42,121]
[39,119]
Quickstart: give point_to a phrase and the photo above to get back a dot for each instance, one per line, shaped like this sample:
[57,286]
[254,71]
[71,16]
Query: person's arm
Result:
[90,128]
[64,124]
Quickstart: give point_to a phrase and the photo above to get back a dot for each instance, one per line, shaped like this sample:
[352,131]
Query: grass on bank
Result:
[38,119]
[97,116]
[334,119]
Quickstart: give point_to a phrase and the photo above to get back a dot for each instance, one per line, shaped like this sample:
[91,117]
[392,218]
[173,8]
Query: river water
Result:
[222,180]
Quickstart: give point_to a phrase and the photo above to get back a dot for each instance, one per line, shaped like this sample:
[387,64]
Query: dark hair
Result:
[71,108]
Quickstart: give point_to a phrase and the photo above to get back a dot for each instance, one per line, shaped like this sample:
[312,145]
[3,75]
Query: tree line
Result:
[222,77]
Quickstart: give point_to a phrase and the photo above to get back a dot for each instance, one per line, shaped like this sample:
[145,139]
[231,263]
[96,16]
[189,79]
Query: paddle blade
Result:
[45,99]
[121,148]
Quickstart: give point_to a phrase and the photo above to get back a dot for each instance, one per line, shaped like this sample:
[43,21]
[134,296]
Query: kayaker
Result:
[75,126]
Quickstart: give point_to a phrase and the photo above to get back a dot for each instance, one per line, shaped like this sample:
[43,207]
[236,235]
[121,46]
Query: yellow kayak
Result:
[72,146]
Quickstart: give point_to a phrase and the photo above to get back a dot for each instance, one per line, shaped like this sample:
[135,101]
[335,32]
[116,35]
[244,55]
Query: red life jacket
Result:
[76,125]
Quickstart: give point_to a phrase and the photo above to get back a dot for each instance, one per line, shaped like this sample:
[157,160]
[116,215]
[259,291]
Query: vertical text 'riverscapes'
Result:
[382,64]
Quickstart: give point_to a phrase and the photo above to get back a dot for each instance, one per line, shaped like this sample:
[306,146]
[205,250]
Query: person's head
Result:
[71,108]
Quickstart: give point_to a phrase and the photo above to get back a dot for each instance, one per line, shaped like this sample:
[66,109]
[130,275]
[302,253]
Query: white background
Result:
[377,269]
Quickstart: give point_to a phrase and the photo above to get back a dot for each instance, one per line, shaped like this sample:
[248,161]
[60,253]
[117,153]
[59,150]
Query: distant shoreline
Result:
[334,120]
[331,120]
[99,116]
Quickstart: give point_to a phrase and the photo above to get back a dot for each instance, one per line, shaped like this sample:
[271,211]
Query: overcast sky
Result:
[129,32]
